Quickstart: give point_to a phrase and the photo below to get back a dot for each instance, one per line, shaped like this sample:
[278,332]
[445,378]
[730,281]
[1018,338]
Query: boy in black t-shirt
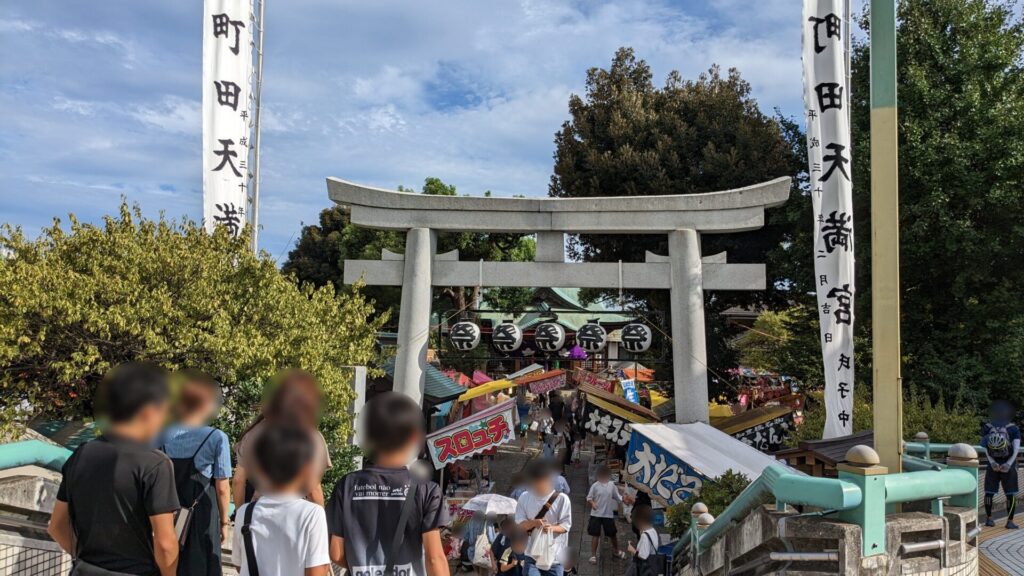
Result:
[116,502]
[365,508]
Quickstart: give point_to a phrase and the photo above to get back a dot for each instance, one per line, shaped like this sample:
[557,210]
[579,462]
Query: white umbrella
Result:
[491,504]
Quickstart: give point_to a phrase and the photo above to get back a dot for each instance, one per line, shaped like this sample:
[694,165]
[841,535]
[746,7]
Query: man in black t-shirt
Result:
[365,506]
[116,500]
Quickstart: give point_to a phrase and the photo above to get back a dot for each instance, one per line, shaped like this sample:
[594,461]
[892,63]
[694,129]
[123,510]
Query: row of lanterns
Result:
[550,337]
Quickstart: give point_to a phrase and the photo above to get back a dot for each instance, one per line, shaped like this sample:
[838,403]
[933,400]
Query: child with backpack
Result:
[282,533]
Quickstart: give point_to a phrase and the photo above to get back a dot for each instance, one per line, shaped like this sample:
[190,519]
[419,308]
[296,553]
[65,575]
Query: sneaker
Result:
[1011,526]
[593,560]
[989,523]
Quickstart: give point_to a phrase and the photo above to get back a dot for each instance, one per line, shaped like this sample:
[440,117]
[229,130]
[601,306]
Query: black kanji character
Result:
[227,93]
[226,154]
[844,298]
[844,362]
[229,216]
[830,95]
[833,25]
[838,161]
[836,231]
[221,22]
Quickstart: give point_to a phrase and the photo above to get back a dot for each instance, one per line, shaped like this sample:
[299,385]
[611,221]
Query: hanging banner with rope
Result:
[826,102]
[227,71]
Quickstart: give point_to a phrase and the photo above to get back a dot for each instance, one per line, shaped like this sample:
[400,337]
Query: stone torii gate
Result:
[684,218]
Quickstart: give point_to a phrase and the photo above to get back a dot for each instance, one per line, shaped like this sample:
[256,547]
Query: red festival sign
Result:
[473,435]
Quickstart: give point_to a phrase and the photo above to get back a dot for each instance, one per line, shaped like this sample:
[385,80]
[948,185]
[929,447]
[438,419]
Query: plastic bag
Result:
[542,550]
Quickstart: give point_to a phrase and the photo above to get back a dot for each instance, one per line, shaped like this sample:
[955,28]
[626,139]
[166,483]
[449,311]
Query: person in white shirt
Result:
[288,534]
[603,500]
[647,545]
[543,509]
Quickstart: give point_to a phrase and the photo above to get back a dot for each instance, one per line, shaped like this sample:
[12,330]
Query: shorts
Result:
[1008,481]
[596,525]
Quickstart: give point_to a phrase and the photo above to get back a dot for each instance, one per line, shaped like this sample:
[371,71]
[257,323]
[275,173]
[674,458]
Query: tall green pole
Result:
[885,238]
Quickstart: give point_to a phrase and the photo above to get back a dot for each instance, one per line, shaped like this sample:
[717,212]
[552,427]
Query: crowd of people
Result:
[150,498]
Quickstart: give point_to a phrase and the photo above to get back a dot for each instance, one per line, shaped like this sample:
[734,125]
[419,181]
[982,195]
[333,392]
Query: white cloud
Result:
[171,114]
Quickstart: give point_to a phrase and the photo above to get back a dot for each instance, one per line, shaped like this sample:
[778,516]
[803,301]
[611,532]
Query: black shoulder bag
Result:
[403,521]
[655,564]
[250,550]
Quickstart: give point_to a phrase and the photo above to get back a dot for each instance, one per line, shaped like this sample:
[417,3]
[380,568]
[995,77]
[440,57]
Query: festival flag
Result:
[227,72]
[826,103]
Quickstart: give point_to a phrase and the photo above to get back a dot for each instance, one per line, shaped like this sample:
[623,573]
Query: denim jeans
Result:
[532,570]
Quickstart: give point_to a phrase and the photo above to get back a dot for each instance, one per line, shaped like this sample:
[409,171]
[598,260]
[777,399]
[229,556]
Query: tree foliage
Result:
[627,137]
[961,182]
[76,302]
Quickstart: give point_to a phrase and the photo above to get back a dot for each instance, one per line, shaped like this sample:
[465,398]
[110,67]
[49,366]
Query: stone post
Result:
[862,469]
[414,315]
[689,350]
[964,457]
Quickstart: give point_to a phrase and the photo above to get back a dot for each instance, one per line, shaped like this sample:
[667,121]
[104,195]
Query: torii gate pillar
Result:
[414,315]
[689,351]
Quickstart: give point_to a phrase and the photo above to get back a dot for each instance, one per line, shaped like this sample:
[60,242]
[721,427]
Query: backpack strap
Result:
[403,521]
[250,549]
[196,453]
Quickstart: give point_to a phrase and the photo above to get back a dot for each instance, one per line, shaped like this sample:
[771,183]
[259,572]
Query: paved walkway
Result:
[1002,552]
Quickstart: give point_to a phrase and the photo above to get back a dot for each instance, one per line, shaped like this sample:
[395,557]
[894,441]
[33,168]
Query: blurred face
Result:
[151,419]
[201,400]
[541,486]
[519,547]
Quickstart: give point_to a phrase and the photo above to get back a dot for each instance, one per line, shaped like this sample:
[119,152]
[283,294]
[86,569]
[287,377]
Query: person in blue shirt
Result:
[1001,439]
[201,455]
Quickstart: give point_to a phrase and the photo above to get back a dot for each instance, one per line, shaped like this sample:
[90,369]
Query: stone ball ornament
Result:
[507,337]
[592,337]
[465,336]
[549,337]
[637,338]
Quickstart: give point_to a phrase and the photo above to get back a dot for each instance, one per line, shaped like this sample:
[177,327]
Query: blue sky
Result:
[101,99]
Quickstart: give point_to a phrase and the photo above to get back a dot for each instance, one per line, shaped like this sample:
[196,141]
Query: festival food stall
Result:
[671,461]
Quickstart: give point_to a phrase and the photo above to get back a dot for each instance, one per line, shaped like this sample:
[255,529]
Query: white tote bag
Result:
[482,552]
[542,550]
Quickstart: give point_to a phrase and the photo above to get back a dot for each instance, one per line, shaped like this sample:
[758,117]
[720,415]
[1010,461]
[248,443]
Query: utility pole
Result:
[885,238]
[258,90]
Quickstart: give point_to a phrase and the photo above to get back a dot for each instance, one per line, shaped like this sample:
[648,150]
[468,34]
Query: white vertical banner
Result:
[227,71]
[828,153]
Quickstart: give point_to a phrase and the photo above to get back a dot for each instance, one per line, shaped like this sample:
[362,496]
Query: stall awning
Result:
[709,451]
[473,435]
[750,418]
[482,389]
[615,409]
[645,414]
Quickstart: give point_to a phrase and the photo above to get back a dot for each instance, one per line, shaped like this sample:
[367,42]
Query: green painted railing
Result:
[860,495]
[33,452]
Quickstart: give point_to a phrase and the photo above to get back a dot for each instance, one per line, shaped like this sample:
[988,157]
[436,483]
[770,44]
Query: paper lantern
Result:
[549,337]
[637,338]
[591,337]
[465,336]
[507,337]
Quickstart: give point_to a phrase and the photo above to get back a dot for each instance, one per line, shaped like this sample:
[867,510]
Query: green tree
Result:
[961,113]
[76,302]
[627,137]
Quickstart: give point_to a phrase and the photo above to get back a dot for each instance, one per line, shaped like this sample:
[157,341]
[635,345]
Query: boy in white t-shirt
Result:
[288,533]
[603,500]
[544,509]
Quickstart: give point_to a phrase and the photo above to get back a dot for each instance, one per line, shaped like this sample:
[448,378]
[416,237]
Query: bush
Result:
[74,303]
[717,494]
